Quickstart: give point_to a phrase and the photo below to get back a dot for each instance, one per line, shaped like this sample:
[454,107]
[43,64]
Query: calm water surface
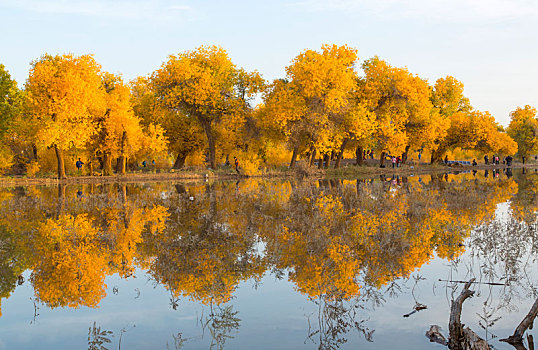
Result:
[266,264]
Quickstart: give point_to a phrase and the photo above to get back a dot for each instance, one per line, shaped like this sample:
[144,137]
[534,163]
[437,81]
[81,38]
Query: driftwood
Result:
[435,336]
[418,307]
[460,338]
[527,323]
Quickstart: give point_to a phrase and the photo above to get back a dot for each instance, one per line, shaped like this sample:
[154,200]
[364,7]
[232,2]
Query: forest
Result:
[199,109]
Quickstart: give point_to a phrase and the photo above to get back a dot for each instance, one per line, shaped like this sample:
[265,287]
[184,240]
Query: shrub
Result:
[249,163]
[32,168]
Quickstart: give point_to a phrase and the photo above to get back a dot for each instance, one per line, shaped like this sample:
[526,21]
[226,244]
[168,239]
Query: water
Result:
[266,264]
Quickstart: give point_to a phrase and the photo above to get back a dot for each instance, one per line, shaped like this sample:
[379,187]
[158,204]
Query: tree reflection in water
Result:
[344,244]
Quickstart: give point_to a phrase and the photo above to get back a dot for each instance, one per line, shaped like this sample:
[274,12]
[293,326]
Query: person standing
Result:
[393,161]
[79,165]
[236,163]
[486,159]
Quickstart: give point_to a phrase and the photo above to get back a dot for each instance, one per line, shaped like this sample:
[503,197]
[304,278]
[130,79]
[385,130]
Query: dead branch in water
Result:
[434,334]
[525,324]
[460,338]
[418,307]
[488,283]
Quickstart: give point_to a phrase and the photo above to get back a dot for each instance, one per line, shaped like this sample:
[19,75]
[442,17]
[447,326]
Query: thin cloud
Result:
[430,10]
[157,9]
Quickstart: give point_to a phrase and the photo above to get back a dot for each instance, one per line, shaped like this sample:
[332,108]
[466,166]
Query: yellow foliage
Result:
[32,168]
[63,94]
[195,158]
[6,157]
[249,162]
[207,87]
[477,130]
[276,154]
[401,103]
[523,129]
[71,266]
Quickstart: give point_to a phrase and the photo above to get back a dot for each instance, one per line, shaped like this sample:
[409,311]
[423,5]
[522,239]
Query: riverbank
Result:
[348,171]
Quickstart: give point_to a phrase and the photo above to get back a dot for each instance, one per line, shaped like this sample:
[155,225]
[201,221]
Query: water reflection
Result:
[343,244]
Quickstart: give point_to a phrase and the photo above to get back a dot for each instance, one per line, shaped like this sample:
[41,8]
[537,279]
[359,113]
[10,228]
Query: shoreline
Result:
[349,171]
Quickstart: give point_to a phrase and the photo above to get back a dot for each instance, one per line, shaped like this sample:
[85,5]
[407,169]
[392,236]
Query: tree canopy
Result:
[199,107]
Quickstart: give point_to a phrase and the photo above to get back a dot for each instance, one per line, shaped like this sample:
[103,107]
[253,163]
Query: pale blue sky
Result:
[490,45]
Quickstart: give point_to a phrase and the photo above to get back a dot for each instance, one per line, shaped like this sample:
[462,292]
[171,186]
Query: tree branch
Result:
[463,339]
[527,323]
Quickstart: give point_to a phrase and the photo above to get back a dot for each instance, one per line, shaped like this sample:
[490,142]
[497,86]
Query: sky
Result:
[489,45]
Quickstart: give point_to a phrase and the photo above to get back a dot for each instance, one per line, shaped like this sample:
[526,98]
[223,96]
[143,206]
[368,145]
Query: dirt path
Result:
[347,172]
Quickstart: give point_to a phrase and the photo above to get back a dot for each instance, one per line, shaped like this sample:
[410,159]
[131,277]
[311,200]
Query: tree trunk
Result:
[90,168]
[405,154]
[107,165]
[122,165]
[123,194]
[382,159]
[326,160]
[180,161]
[34,151]
[210,191]
[61,199]
[320,162]
[435,156]
[312,157]
[340,154]
[359,153]
[61,165]
[294,156]
[206,124]
[122,159]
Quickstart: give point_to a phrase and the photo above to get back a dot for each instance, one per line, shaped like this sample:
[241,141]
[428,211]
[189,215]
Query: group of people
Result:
[145,164]
[79,163]
[495,160]
[396,161]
